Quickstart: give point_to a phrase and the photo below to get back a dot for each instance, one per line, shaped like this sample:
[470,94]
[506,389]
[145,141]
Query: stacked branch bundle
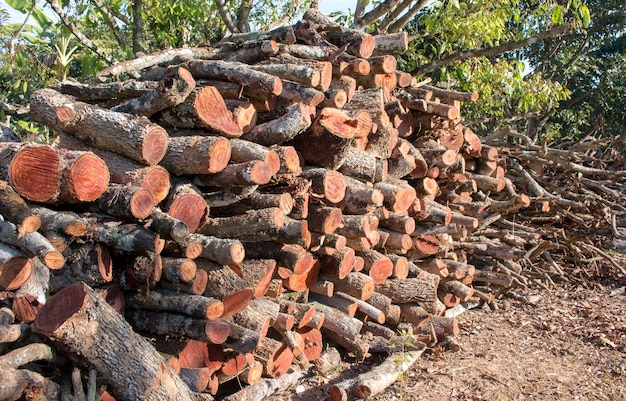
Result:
[242,205]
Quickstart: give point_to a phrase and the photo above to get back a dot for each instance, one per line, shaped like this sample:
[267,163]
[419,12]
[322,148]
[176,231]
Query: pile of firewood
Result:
[245,204]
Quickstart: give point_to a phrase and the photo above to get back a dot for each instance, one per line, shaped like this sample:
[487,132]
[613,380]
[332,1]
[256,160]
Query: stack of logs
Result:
[240,205]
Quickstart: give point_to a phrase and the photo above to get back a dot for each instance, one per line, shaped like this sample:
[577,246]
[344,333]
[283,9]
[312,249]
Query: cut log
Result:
[173,89]
[250,223]
[291,124]
[357,284]
[409,290]
[32,244]
[221,250]
[87,262]
[276,357]
[196,155]
[134,371]
[324,219]
[179,269]
[254,172]
[257,273]
[245,151]
[185,203]
[166,226]
[328,183]
[236,72]
[126,201]
[123,170]
[15,268]
[331,129]
[203,108]
[14,209]
[163,323]
[133,137]
[195,306]
[225,285]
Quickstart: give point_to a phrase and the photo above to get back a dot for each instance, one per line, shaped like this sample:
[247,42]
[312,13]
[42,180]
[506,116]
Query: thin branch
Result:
[56,7]
[359,10]
[110,19]
[402,21]
[374,14]
[491,51]
[395,13]
[226,17]
[243,15]
[20,29]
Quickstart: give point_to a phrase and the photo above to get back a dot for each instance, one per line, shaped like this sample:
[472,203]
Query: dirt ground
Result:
[570,346]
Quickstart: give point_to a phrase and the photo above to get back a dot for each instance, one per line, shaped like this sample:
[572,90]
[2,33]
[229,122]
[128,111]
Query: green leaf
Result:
[20,5]
[585,15]
[41,18]
[557,15]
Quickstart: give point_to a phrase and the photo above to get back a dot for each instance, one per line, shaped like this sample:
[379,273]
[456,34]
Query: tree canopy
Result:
[552,69]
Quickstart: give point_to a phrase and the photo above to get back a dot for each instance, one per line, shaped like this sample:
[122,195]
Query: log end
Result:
[53,260]
[215,310]
[191,209]
[200,282]
[261,173]
[236,302]
[35,173]
[157,180]
[61,306]
[142,203]
[334,186]
[15,272]
[187,271]
[154,144]
[217,331]
[219,155]
[29,225]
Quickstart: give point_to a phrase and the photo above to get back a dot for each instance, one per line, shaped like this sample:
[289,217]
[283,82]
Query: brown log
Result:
[123,170]
[300,73]
[15,268]
[293,122]
[166,226]
[32,244]
[236,72]
[345,83]
[358,285]
[165,323]
[409,290]
[173,89]
[197,379]
[42,174]
[179,269]
[276,356]
[328,183]
[250,223]
[131,374]
[87,262]
[390,43]
[23,383]
[196,286]
[331,129]
[336,98]
[359,43]
[256,201]
[254,172]
[338,264]
[126,201]
[196,155]
[106,91]
[131,238]
[257,273]
[373,100]
[398,195]
[195,306]
[424,246]
[252,318]
[244,113]
[185,203]
[245,151]
[134,137]
[339,322]
[340,304]
[324,219]
[450,96]
[14,209]
[221,250]
[363,166]
[302,94]
[225,285]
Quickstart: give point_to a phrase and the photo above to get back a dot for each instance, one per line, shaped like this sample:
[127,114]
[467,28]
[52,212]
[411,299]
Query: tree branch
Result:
[491,51]
[110,19]
[56,7]
[17,33]
[137,26]
[359,9]
[374,14]
[225,14]
[389,18]
[243,15]
[402,21]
